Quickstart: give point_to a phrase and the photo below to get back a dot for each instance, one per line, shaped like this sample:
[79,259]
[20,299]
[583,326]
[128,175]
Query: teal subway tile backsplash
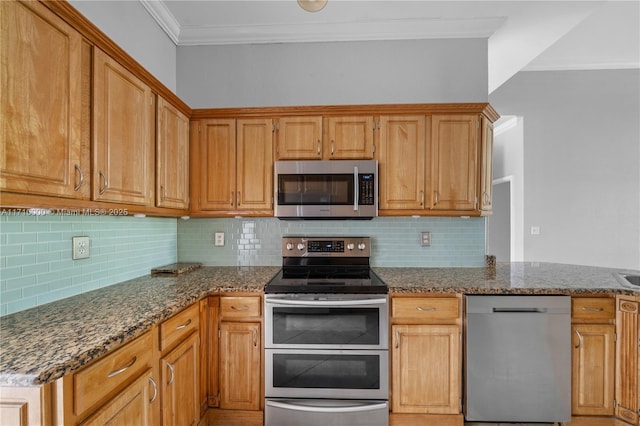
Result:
[395,241]
[35,255]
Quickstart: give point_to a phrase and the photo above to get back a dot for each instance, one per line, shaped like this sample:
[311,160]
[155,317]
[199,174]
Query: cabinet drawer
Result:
[593,308]
[179,326]
[92,384]
[425,308]
[239,307]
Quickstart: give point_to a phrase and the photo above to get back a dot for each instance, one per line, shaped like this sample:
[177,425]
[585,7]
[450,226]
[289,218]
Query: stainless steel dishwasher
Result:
[518,359]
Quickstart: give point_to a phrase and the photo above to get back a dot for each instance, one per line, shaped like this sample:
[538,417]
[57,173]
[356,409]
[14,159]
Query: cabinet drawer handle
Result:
[579,340]
[172,374]
[436,199]
[255,337]
[592,309]
[162,193]
[123,369]
[397,339]
[422,198]
[239,198]
[155,390]
[181,326]
[105,183]
[231,199]
[332,146]
[318,146]
[431,309]
[79,170]
[240,308]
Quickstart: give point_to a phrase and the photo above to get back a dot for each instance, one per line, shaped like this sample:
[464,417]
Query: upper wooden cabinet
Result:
[172,162]
[401,162]
[45,105]
[232,166]
[454,162]
[486,165]
[299,138]
[123,134]
[350,137]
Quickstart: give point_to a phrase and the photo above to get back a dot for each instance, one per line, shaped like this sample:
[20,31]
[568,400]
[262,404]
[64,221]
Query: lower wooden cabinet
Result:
[240,354]
[627,394]
[426,360]
[132,406]
[180,384]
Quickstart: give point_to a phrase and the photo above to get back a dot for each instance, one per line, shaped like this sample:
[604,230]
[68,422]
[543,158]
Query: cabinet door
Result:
[627,359]
[240,350]
[453,156]
[350,137]
[254,153]
[132,406]
[45,102]
[593,369]
[486,165]
[216,156]
[180,378]
[209,352]
[426,369]
[123,139]
[401,162]
[172,163]
[299,138]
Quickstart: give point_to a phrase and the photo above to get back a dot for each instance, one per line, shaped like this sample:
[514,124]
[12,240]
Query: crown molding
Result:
[163,16]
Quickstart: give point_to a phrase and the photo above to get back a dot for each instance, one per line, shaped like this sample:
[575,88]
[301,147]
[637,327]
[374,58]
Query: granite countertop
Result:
[508,278]
[42,344]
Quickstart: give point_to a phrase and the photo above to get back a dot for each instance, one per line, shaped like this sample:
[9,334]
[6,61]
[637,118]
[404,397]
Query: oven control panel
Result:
[326,246]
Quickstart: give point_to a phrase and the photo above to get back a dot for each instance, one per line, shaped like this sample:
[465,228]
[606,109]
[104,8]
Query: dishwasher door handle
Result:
[521,310]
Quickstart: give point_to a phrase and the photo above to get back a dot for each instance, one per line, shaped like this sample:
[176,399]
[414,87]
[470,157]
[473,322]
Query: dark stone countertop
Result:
[42,344]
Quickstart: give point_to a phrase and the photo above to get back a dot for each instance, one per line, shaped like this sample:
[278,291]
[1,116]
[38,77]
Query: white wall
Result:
[581,164]
[333,73]
[129,25]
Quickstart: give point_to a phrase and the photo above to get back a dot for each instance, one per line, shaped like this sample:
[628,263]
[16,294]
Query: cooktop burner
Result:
[326,265]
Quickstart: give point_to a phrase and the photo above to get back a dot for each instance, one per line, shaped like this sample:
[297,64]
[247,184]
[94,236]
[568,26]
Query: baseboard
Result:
[398,419]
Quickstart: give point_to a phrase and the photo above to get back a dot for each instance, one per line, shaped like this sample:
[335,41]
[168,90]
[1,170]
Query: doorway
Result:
[499,223]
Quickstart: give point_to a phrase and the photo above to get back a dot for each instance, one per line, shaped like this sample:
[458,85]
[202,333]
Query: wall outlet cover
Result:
[81,247]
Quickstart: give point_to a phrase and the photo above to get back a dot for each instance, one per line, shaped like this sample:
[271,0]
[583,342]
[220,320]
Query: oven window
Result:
[326,326]
[326,371]
[333,189]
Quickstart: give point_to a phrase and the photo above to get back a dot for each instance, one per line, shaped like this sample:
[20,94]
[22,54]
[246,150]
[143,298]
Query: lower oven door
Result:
[337,374]
[325,412]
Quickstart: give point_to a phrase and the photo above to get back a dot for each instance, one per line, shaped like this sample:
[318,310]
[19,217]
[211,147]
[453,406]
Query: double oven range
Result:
[326,336]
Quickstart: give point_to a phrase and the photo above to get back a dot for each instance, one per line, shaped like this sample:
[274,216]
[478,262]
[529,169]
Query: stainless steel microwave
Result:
[316,189]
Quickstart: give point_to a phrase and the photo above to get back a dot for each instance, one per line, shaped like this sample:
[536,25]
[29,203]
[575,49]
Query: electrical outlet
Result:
[80,247]
[218,240]
[425,239]
[535,230]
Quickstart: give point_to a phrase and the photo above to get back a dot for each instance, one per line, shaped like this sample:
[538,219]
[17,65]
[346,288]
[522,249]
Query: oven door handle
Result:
[355,408]
[356,189]
[352,302]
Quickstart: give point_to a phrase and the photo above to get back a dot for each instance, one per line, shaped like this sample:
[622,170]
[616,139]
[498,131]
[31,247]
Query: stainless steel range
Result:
[326,336]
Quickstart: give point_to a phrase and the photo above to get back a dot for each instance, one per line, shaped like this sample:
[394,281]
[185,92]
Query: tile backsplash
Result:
[395,241]
[35,255]
[36,266]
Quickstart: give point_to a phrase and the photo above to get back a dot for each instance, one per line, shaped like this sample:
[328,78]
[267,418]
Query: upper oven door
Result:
[323,321]
[331,189]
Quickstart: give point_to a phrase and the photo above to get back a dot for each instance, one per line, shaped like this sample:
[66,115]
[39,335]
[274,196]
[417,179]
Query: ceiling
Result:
[522,35]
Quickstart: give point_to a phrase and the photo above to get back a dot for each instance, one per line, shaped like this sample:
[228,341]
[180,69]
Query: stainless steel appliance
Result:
[326,336]
[518,359]
[337,189]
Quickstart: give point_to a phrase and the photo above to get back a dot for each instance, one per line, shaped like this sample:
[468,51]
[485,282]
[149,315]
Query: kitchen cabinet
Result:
[299,138]
[209,353]
[179,371]
[626,392]
[453,154]
[240,352]
[350,137]
[45,103]
[485,163]
[592,365]
[232,167]
[116,386]
[172,162]
[27,406]
[426,360]
[123,134]
[402,162]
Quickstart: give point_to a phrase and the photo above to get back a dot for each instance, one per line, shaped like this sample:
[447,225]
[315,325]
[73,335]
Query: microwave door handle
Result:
[355,189]
[276,301]
[327,409]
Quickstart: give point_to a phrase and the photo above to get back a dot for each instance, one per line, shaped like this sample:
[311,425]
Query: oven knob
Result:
[300,246]
[351,246]
[290,246]
[361,246]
